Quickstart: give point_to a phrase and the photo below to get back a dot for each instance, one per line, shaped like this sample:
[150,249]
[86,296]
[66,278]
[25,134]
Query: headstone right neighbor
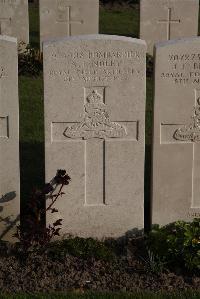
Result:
[162,20]
[176,144]
[9,139]
[94,94]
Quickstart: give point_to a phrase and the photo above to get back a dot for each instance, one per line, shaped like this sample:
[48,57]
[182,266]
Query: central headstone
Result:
[14,19]
[162,20]
[94,118]
[59,18]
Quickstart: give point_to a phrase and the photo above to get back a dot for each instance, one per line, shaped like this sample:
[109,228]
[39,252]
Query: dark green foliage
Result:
[153,263]
[30,62]
[177,244]
[122,2]
[80,247]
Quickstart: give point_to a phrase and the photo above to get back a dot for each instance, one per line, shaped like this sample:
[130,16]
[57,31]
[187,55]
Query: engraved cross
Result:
[168,22]
[64,16]
[187,134]
[96,130]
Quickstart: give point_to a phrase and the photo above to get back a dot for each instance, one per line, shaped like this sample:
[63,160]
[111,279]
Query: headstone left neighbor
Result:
[9,139]
[14,19]
[94,94]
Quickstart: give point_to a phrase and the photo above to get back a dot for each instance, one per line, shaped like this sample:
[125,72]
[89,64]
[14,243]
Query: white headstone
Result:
[59,18]
[9,139]
[14,19]
[176,157]
[94,89]
[162,20]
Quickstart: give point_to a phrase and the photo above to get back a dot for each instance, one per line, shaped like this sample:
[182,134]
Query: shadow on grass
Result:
[34,41]
[32,171]
[147,188]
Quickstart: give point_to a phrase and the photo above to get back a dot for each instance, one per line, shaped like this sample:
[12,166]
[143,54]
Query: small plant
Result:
[81,247]
[153,263]
[177,244]
[34,233]
[30,61]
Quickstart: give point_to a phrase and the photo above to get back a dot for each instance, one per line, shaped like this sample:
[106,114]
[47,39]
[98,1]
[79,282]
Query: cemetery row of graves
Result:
[83,116]
[94,111]
[94,115]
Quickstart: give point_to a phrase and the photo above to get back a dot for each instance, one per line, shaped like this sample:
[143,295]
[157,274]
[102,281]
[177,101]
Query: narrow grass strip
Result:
[141,295]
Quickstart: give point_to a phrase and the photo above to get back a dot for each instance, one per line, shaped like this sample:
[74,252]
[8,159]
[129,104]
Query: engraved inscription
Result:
[96,122]
[169,22]
[182,68]
[94,67]
[194,214]
[8,1]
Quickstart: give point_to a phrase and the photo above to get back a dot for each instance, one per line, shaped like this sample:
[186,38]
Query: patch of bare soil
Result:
[53,273]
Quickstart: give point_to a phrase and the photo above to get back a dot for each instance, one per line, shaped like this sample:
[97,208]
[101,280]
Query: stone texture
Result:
[162,20]
[14,19]
[9,139]
[60,18]
[176,159]
[94,89]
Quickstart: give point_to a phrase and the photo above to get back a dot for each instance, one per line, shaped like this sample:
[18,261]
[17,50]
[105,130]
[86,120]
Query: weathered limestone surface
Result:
[162,20]
[9,139]
[176,147]
[94,93]
[60,18]
[14,19]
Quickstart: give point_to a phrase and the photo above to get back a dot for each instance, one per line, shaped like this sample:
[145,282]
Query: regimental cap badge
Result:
[190,132]
[94,97]
[96,122]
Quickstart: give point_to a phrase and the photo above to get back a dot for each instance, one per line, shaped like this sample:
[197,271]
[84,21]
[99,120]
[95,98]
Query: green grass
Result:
[34,25]
[31,134]
[119,22]
[187,295]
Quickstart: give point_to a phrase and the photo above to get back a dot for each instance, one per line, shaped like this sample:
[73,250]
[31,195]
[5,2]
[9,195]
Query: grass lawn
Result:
[105,296]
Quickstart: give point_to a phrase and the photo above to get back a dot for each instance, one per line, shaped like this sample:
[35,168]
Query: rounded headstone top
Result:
[92,37]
